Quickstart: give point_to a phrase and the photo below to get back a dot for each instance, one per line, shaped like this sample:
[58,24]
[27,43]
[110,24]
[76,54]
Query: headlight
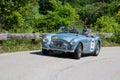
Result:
[72,42]
[45,40]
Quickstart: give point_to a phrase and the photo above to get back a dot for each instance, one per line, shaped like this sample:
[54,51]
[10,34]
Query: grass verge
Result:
[108,43]
[19,45]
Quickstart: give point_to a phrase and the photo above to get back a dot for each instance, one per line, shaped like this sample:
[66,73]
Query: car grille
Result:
[59,44]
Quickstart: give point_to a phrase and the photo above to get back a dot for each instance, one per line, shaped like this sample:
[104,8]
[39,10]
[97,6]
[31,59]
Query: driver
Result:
[85,32]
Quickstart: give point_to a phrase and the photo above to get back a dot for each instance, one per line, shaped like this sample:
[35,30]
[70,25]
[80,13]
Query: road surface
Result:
[32,65]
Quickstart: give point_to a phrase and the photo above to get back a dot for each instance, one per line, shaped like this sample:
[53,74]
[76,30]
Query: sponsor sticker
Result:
[92,45]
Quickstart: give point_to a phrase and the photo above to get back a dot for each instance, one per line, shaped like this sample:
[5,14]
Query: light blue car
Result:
[71,40]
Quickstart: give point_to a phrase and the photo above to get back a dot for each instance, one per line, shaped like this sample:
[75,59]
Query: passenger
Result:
[73,30]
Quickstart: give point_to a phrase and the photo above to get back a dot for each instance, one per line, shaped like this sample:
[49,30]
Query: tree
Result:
[45,6]
[118,17]
[106,24]
[59,16]
[14,14]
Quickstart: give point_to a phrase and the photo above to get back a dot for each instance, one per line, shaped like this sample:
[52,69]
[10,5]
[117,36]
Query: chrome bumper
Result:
[58,49]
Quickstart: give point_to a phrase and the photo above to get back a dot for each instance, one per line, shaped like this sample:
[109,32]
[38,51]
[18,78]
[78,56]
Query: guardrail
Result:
[24,36]
[106,35]
[20,36]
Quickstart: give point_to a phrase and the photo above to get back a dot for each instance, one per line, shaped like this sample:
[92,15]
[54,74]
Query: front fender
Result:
[78,41]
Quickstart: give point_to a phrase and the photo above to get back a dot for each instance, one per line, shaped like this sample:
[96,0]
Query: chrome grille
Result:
[59,44]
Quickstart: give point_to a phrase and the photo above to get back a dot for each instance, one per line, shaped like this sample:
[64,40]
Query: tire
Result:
[97,50]
[45,52]
[78,51]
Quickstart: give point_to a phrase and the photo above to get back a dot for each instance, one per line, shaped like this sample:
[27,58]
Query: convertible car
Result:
[73,41]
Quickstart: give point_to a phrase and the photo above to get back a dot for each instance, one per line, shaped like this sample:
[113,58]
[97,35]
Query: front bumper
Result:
[54,49]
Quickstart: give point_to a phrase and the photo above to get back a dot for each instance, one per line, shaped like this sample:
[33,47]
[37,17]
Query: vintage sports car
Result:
[71,40]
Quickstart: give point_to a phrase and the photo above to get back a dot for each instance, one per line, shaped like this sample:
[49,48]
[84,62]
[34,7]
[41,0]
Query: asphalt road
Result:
[32,65]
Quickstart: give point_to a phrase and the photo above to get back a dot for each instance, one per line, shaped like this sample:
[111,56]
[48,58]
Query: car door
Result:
[86,43]
[89,44]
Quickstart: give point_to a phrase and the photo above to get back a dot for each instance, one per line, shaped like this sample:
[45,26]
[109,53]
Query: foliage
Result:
[54,18]
[118,17]
[116,37]
[90,12]
[45,6]
[19,45]
[14,15]
[106,24]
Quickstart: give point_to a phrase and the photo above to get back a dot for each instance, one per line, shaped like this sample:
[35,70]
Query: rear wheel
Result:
[45,52]
[97,50]
[78,52]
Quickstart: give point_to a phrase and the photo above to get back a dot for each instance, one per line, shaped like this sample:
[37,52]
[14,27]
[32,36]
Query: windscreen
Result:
[64,29]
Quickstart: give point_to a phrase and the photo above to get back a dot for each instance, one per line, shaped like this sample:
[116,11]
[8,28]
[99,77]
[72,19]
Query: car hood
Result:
[66,36]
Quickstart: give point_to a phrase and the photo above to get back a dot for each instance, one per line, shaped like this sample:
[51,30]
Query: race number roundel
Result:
[92,45]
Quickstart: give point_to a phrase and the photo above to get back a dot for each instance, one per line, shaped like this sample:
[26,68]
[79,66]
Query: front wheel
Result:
[45,52]
[78,52]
